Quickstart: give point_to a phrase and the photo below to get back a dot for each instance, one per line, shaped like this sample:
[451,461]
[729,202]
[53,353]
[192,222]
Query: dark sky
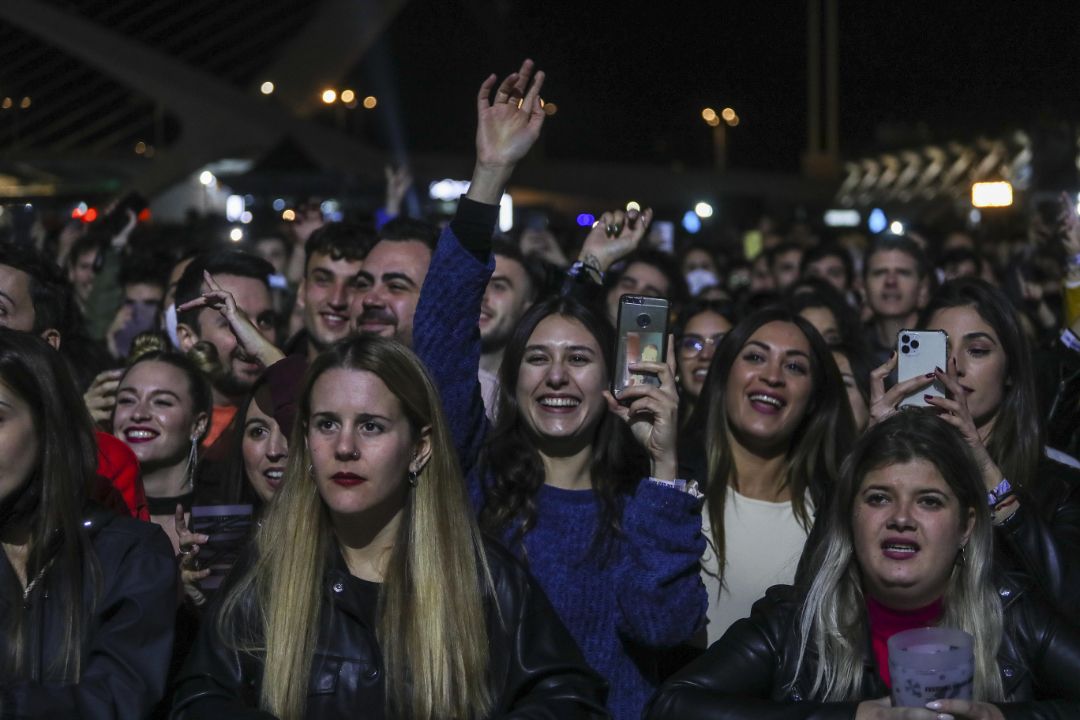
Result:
[630,79]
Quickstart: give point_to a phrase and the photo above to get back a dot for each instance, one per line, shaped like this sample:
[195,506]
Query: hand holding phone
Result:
[642,328]
[921,353]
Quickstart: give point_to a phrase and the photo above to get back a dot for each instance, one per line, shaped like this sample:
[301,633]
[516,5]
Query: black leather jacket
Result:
[536,669]
[1042,538]
[130,634]
[746,674]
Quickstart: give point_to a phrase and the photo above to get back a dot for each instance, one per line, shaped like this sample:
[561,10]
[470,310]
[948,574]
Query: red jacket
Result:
[118,465]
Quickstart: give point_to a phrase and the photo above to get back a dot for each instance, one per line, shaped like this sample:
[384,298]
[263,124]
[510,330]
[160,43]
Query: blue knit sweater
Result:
[620,606]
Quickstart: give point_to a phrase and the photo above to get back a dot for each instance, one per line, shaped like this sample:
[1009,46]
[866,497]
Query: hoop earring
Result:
[192,461]
[414,478]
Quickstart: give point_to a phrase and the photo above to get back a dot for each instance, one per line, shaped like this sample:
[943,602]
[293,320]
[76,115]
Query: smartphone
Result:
[229,527]
[642,337]
[920,352]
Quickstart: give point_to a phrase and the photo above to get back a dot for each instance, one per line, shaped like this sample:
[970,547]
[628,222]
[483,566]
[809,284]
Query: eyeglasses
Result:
[691,345]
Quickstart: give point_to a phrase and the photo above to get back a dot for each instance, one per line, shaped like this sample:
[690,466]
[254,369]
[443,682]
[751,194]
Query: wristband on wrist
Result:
[579,269]
[999,494]
[1069,340]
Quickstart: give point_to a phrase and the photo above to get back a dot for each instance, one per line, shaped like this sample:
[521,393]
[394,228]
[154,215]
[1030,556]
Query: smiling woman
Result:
[776,421]
[586,491]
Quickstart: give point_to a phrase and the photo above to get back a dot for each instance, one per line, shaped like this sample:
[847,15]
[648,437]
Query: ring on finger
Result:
[611,229]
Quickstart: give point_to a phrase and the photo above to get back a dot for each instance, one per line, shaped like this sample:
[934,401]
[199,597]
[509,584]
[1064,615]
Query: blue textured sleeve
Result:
[446,337]
[662,601]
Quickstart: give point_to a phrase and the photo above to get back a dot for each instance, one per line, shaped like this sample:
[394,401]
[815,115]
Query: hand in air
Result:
[251,341]
[614,236]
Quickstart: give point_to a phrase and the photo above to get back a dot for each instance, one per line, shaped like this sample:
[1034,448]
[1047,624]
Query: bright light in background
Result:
[236,234]
[975,217]
[348,96]
[370,102]
[633,205]
[245,217]
[506,213]
[234,208]
[877,221]
[288,215]
[266,88]
[728,114]
[691,222]
[447,189]
[896,227]
[89,216]
[703,210]
[991,194]
[140,148]
[25,102]
[207,178]
[708,115]
[279,205]
[586,220]
[329,96]
[842,218]
[550,108]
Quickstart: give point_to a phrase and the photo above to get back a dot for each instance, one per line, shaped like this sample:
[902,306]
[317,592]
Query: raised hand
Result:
[653,413]
[397,184]
[614,236]
[954,410]
[100,397]
[251,341]
[507,127]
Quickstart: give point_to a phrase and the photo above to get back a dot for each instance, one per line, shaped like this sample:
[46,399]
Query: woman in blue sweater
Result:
[586,491]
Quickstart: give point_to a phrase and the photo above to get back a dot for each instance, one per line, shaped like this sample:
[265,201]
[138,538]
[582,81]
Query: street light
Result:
[719,122]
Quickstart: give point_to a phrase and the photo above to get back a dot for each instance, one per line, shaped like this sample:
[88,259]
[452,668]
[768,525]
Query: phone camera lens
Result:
[905,349]
[905,338]
[643,320]
[915,344]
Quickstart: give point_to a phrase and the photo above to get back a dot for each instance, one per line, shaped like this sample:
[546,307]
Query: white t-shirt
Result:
[764,542]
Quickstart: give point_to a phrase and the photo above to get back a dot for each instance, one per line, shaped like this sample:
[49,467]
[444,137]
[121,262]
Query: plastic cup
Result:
[931,663]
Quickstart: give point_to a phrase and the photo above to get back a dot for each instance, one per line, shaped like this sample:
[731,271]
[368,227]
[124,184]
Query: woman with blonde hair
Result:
[368,584]
[907,543]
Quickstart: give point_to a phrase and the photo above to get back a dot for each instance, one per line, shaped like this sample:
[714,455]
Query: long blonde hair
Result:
[833,615]
[430,618]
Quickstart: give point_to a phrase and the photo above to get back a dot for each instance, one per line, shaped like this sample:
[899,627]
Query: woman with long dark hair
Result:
[991,399]
[585,489]
[907,543]
[776,422]
[702,325]
[368,586]
[87,597]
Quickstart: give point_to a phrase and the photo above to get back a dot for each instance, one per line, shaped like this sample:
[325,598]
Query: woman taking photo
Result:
[991,399]
[87,597]
[368,585]
[585,490]
[776,420]
[907,543]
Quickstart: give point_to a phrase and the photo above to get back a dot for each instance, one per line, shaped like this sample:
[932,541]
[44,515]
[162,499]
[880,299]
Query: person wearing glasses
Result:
[701,328]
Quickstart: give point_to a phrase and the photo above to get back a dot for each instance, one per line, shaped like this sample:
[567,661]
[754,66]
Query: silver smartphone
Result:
[642,328]
[920,352]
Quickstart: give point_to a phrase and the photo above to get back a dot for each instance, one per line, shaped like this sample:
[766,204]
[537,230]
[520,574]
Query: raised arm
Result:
[446,331]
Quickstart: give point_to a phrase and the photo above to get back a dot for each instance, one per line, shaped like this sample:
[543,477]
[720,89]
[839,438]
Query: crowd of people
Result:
[450,513]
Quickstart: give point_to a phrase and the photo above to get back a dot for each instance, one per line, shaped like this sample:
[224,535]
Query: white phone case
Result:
[920,352]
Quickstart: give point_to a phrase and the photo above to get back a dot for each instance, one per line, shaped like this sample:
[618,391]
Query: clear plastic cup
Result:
[931,663]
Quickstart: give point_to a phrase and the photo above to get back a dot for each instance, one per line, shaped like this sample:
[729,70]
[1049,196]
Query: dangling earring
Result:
[192,461]
[414,478]
[962,557]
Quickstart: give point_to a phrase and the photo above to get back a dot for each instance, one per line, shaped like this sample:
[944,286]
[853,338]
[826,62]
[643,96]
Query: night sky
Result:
[630,79]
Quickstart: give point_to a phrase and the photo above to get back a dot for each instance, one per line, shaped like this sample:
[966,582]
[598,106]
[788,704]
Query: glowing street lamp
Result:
[991,194]
[719,122]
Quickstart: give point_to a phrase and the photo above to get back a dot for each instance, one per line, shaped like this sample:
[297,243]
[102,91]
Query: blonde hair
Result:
[430,624]
[833,615]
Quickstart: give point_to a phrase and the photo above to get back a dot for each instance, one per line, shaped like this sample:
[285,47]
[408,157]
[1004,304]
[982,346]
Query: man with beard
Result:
[388,285]
[511,291]
[231,372]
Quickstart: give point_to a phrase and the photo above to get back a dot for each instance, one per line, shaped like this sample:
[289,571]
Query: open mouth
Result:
[763,402]
[559,402]
[274,476]
[899,549]
[334,320]
[701,373]
[140,435]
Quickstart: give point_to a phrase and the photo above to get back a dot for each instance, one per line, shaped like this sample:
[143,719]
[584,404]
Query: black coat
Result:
[130,635]
[747,673]
[1042,538]
[536,669]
